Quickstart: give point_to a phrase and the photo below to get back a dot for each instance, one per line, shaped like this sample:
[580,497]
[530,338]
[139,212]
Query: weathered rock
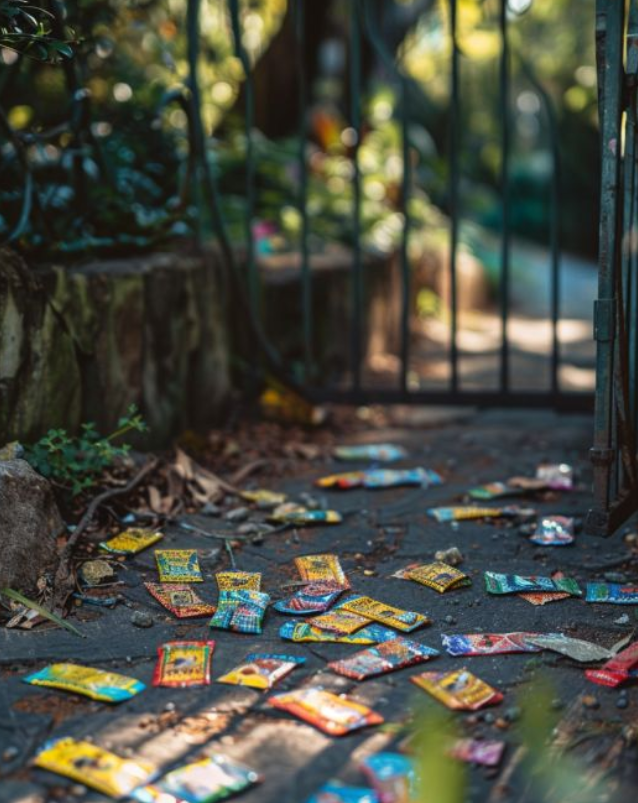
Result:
[29,524]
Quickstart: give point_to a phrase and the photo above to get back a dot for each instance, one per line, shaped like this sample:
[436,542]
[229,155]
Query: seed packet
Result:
[459,690]
[443,514]
[438,576]
[306,518]
[514,583]
[554,531]
[394,478]
[180,600]
[321,568]
[305,632]
[343,481]
[264,498]
[261,670]
[573,648]
[386,657]
[339,621]
[492,490]
[313,598]
[333,714]
[489,643]
[392,775]
[131,541]
[486,752]
[242,610]
[183,663]
[618,669]
[178,566]
[92,766]
[558,476]
[612,592]
[235,581]
[108,687]
[541,598]
[386,614]
[374,452]
[335,792]
[206,781]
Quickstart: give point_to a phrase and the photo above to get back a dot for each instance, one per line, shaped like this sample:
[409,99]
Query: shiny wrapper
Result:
[261,670]
[131,541]
[183,663]
[406,621]
[339,621]
[554,531]
[241,611]
[382,658]
[335,792]
[108,687]
[618,669]
[616,593]
[443,514]
[486,752]
[513,584]
[392,775]
[438,576]
[395,478]
[459,690]
[313,598]
[489,643]
[304,632]
[180,599]
[331,713]
[323,568]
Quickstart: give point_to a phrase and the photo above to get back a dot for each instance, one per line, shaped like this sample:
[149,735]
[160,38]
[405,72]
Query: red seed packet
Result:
[459,690]
[183,663]
[333,714]
[386,614]
[543,597]
[382,658]
[338,621]
[321,568]
[180,600]
[617,670]
[238,581]
[476,751]
[312,598]
[261,670]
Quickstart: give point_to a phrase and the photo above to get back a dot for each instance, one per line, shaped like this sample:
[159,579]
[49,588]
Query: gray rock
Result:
[209,509]
[29,523]
[142,619]
[238,514]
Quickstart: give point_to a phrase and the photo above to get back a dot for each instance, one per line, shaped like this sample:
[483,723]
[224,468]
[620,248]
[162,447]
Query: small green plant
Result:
[75,462]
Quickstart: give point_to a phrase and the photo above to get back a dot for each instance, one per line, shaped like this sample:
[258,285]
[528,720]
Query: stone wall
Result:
[83,343]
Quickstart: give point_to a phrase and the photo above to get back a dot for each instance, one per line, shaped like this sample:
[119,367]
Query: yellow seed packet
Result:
[109,687]
[264,497]
[178,566]
[386,614]
[91,765]
[261,670]
[132,541]
[321,568]
[438,576]
[339,621]
[238,581]
[459,689]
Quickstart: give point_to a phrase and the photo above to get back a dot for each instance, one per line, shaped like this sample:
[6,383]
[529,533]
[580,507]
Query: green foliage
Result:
[26,29]
[76,462]
[16,596]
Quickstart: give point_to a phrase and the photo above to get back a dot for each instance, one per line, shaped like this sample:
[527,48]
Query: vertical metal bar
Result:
[249,124]
[299,10]
[355,123]
[454,194]
[504,87]
[609,56]
[631,230]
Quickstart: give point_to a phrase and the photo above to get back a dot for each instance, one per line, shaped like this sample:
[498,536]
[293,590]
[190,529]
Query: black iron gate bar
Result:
[364,16]
[614,452]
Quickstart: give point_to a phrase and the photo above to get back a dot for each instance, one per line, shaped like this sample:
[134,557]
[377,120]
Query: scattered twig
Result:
[250,468]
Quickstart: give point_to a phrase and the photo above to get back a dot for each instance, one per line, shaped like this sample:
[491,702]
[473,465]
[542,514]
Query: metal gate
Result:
[616,310]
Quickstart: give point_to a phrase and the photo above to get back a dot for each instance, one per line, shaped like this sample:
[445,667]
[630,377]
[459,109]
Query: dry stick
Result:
[247,470]
[63,572]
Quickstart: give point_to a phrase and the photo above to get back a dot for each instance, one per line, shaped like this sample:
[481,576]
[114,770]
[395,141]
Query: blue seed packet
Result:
[304,631]
[313,598]
[393,478]
[335,792]
[392,775]
[241,610]
[373,452]
[514,584]
[612,592]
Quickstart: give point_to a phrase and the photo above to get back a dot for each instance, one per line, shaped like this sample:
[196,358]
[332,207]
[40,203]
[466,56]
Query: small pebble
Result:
[169,707]
[622,702]
[589,701]
[369,572]
[615,577]
[622,620]
[142,619]
[249,528]
[450,620]
[238,514]
[209,509]
[502,724]
[489,718]
[512,714]
[77,789]
[10,753]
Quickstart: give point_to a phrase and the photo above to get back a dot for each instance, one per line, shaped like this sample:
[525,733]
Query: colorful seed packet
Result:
[394,478]
[306,518]
[236,581]
[180,600]
[207,781]
[444,514]
[92,766]
[576,649]
[438,576]
[339,621]
[554,531]
[108,687]
[612,592]
[343,481]
[382,658]
[374,452]
[183,663]
[392,775]
[618,669]
[178,566]
[313,598]
[406,621]
[489,643]
[459,690]
[557,476]
[261,670]
[323,568]
[304,632]
[513,584]
[131,541]
[264,498]
[487,753]
[335,792]
[492,490]
[241,610]
[333,714]
[541,598]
